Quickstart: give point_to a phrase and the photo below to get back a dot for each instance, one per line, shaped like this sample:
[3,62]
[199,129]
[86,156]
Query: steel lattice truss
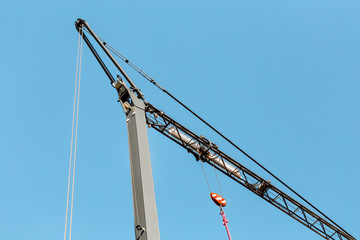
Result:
[204,150]
[208,152]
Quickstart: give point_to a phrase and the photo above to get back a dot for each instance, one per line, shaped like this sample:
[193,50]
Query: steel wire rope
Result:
[207,182]
[73,147]
[146,76]
[217,178]
[72,138]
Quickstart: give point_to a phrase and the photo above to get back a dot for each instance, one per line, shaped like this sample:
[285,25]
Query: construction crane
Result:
[141,114]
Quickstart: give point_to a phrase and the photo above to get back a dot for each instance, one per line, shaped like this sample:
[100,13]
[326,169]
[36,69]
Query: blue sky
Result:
[279,78]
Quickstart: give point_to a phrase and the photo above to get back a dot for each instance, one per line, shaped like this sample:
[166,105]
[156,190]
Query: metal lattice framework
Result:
[208,152]
[133,101]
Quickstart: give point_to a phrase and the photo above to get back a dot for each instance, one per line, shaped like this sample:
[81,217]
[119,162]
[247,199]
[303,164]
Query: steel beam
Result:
[145,213]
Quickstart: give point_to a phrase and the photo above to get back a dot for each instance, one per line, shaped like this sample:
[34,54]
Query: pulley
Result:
[218,200]
[221,202]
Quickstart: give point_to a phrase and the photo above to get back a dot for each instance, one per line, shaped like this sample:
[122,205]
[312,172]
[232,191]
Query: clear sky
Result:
[279,78]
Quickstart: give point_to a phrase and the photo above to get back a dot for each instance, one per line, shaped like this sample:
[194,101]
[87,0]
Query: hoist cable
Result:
[72,137]
[217,178]
[73,147]
[146,76]
[207,182]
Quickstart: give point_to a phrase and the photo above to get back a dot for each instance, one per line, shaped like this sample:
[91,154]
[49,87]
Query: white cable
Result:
[75,109]
[217,177]
[207,182]
[72,138]
[76,133]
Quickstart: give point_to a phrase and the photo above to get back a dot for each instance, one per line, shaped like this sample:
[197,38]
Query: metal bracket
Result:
[141,229]
[262,187]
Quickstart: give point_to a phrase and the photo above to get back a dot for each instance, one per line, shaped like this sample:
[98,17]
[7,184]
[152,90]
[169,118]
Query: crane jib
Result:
[208,152]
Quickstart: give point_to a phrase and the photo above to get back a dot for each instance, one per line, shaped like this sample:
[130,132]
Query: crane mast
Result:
[146,224]
[140,113]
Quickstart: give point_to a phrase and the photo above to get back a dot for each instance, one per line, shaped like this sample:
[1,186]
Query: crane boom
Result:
[206,151]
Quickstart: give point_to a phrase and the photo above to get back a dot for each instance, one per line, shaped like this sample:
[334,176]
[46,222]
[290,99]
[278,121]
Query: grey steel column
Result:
[145,213]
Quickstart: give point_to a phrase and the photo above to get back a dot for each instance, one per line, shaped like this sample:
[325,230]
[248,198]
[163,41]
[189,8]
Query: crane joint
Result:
[204,149]
[262,187]
[124,94]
